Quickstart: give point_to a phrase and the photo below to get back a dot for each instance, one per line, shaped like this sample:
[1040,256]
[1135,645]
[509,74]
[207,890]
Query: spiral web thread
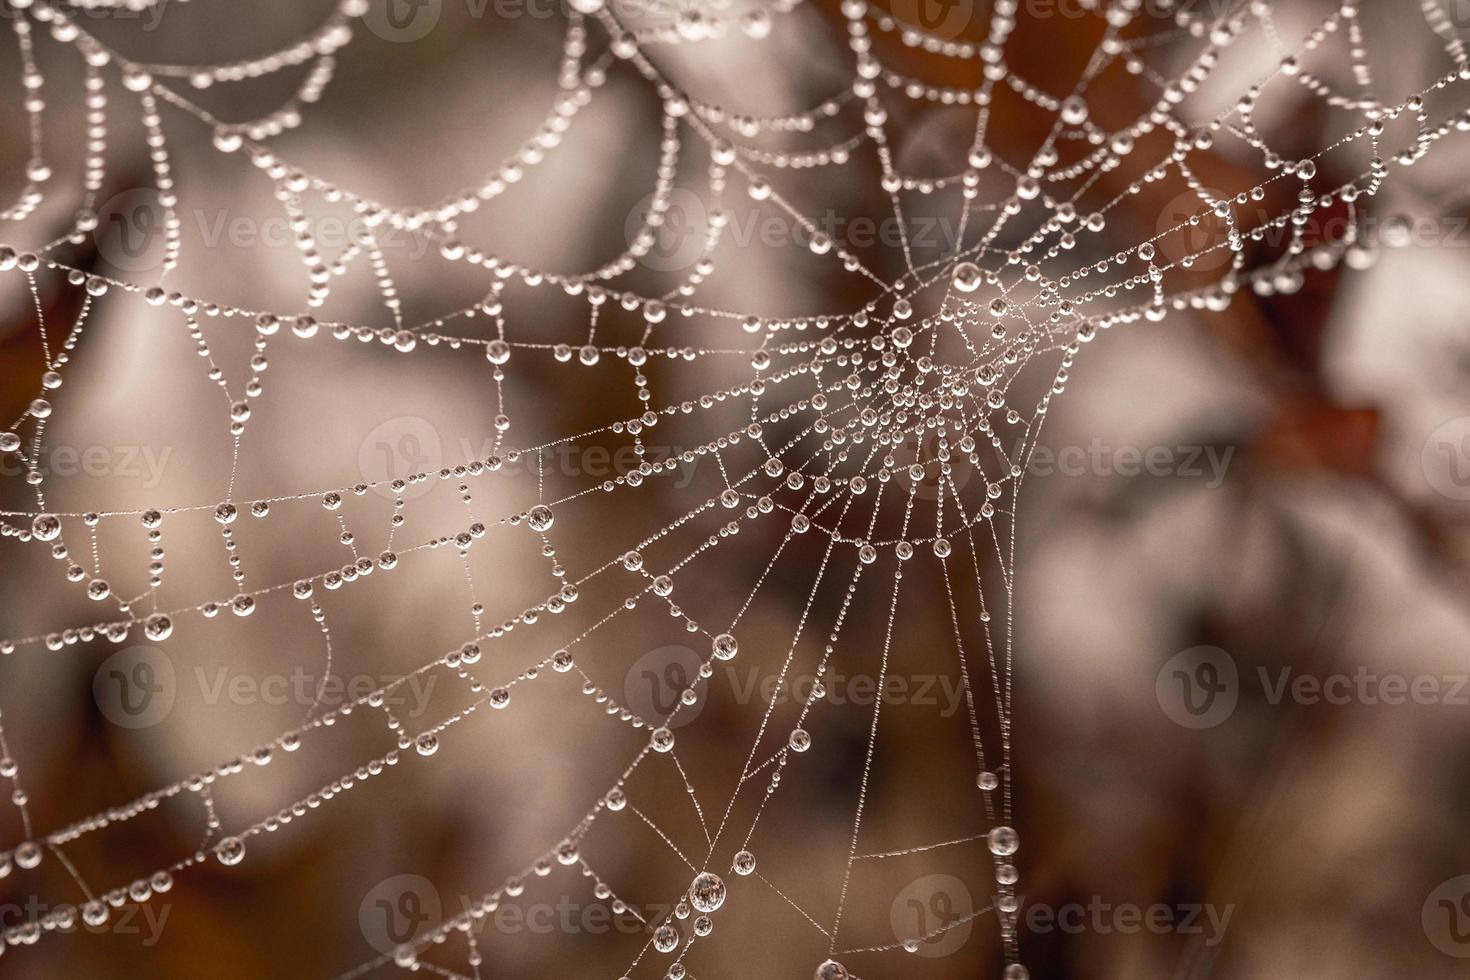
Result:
[850,414]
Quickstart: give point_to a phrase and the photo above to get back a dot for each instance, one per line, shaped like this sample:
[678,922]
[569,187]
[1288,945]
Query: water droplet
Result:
[707,893]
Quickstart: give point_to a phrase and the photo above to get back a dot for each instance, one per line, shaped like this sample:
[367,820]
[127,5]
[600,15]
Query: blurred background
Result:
[1240,632]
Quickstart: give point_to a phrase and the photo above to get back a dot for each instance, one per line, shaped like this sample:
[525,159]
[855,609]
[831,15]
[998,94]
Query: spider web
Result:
[858,468]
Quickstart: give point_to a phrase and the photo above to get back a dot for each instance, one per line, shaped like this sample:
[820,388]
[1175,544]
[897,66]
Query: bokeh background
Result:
[1308,515]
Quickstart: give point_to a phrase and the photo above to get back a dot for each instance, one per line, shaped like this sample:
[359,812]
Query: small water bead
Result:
[1074,110]
[28,855]
[1007,874]
[703,925]
[589,355]
[1003,841]
[500,697]
[41,408]
[666,938]
[744,863]
[725,647]
[98,589]
[566,853]
[987,781]
[707,893]
[540,518]
[800,740]
[661,739]
[230,851]
[561,661]
[426,744]
[967,277]
[615,799]
[46,527]
[9,442]
[497,352]
[1016,972]
[831,970]
[158,627]
[998,307]
[941,548]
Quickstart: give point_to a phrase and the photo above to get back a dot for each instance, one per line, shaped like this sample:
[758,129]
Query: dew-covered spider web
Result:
[689,511]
